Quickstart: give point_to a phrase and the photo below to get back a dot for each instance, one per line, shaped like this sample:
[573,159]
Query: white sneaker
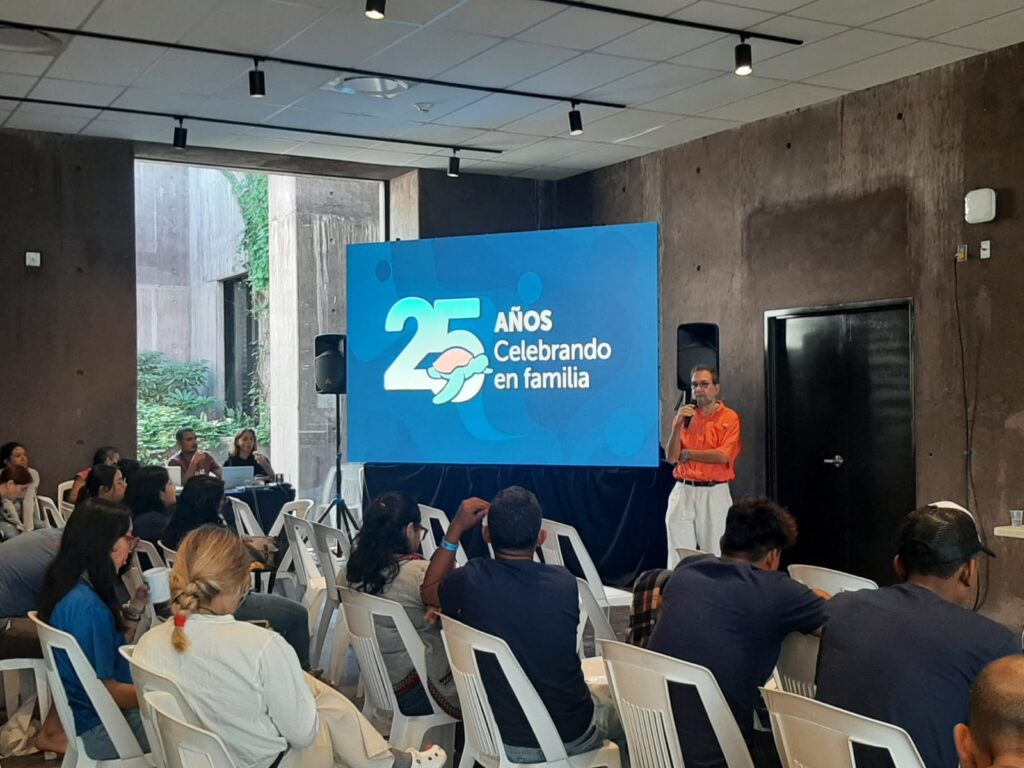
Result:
[434,757]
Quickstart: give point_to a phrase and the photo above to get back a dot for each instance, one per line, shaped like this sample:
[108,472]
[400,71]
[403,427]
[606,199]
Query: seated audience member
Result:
[533,607]
[244,454]
[908,654]
[200,504]
[385,561]
[79,597]
[105,481]
[150,498]
[106,454]
[128,468]
[995,736]
[14,453]
[731,614]
[15,482]
[191,460]
[245,683]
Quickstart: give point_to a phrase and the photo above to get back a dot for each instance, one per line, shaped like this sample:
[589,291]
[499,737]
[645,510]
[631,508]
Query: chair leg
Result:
[321,630]
[468,759]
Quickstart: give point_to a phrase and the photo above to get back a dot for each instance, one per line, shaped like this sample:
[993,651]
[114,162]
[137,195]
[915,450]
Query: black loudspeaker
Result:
[329,364]
[696,344]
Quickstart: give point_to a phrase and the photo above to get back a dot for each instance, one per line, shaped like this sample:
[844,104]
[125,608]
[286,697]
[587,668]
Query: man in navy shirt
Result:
[731,614]
[908,654]
[532,606]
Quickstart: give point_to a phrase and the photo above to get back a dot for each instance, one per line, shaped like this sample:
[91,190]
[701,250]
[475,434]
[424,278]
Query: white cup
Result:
[159,582]
[1016,517]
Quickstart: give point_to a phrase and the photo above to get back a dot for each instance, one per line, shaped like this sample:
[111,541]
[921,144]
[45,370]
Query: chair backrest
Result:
[482,734]
[169,554]
[30,515]
[810,733]
[325,537]
[552,551]
[433,520]
[65,506]
[245,521]
[685,552]
[143,547]
[299,508]
[639,681]
[828,580]
[360,610]
[590,611]
[798,664]
[353,488]
[132,579]
[49,513]
[55,641]
[183,744]
[300,538]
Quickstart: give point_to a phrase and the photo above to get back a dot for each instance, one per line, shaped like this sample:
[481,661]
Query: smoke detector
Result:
[376,87]
[21,40]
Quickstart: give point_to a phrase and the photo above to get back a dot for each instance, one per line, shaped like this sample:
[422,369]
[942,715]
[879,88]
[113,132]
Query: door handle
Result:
[836,461]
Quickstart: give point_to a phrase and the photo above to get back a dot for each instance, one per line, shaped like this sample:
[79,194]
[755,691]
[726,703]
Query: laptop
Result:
[235,477]
[175,473]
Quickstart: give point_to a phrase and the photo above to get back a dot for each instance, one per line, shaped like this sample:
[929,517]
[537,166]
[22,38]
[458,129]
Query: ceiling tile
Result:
[601,156]
[658,42]
[723,90]
[58,111]
[988,35]
[499,18]
[651,83]
[442,134]
[188,72]
[790,26]
[502,140]
[547,151]
[385,157]
[429,52]
[299,136]
[493,111]
[442,101]
[23,63]
[434,162]
[371,127]
[583,30]
[584,73]
[135,127]
[248,143]
[206,134]
[326,151]
[344,39]
[554,120]
[771,6]
[825,55]
[285,83]
[941,16]
[14,85]
[31,121]
[161,101]
[720,55]
[244,109]
[68,90]
[62,13]
[547,173]
[681,131]
[725,15]
[655,7]
[495,167]
[412,11]
[625,125]
[784,99]
[152,19]
[853,12]
[893,65]
[102,61]
[509,62]
[268,25]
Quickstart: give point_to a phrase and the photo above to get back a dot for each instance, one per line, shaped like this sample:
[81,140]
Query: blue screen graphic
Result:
[524,348]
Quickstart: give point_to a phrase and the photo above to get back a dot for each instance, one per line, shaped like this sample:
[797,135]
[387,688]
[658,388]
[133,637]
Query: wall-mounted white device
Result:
[980,206]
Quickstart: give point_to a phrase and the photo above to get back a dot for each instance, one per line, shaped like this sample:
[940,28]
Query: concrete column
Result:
[312,221]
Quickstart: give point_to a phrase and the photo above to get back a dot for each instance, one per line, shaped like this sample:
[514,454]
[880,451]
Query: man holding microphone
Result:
[703,444]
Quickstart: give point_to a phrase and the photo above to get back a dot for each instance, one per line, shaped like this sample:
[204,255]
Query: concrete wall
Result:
[312,221]
[69,373]
[857,199]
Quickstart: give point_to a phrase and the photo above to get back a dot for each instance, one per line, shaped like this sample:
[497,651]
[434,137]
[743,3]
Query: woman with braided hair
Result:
[245,682]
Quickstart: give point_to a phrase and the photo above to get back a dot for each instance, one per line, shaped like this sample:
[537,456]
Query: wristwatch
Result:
[130,613]
[686,456]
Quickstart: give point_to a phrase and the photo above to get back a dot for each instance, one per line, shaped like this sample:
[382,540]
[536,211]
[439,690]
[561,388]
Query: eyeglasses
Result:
[423,530]
[131,539]
[702,384]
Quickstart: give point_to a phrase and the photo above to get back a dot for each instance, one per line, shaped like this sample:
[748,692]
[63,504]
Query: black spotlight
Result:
[575,120]
[744,58]
[375,9]
[180,135]
[453,165]
[257,81]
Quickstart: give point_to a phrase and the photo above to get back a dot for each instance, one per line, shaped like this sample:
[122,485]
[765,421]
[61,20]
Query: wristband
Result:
[130,613]
[686,455]
[449,546]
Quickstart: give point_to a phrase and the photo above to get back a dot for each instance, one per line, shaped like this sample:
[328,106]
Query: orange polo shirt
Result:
[718,432]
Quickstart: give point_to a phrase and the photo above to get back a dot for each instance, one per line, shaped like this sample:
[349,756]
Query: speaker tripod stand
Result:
[343,515]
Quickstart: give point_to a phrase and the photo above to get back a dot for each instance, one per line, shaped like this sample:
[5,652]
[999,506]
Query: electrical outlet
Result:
[33,259]
[986,249]
[961,253]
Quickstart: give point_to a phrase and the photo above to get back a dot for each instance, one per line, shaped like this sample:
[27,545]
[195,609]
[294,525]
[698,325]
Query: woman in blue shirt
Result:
[79,597]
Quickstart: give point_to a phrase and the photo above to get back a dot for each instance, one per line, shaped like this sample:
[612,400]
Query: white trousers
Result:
[695,518]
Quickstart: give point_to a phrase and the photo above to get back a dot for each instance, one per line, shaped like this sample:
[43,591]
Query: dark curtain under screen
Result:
[619,513]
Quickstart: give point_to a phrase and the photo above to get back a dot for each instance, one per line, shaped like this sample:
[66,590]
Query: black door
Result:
[840,432]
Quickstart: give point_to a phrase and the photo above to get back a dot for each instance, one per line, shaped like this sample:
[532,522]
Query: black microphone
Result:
[686,419]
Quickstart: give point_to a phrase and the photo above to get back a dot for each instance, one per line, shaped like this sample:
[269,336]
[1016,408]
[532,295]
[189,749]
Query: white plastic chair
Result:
[132,580]
[353,489]
[639,680]
[810,734]
[591,612]
[11,671]
[607,597]
[685,552]
[483,738]
[65,506]
[169,554]
[798,664]
[407,731]
[311,582]
[245,521]
[430,541]
[30,515]
[121,736]
[183,744]
[49,513]
[324,538]
[298,508]
[143,547]
[828,580]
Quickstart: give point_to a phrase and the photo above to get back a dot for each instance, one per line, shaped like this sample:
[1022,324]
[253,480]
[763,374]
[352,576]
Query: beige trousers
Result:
[346,737]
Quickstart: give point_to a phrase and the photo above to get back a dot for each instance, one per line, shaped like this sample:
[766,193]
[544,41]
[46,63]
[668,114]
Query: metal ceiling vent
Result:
[29,41]
[376,87]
